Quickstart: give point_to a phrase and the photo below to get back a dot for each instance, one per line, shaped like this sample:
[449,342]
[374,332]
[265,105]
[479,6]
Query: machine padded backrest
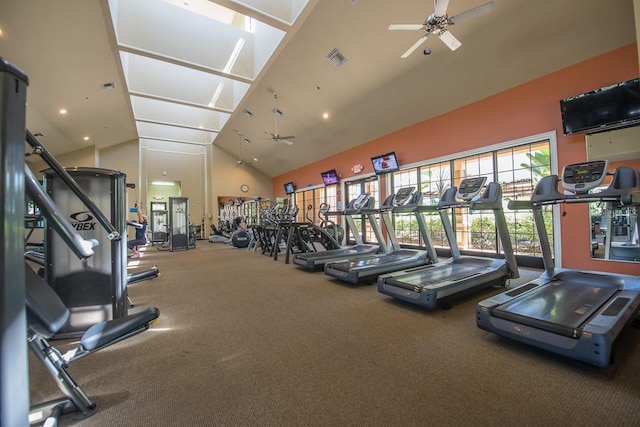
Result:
[46,313]
[625,180]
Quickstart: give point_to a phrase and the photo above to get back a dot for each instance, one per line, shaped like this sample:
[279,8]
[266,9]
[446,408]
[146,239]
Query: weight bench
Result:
[46,315]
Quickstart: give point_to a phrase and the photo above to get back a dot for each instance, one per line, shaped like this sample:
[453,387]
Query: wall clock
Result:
[244,188]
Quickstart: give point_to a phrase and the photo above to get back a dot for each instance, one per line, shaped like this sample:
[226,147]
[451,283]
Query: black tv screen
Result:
[289,188]
[603,109]
[330,177]
[385,163]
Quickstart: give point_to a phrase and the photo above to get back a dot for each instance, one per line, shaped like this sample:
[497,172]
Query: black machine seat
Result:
[46,315]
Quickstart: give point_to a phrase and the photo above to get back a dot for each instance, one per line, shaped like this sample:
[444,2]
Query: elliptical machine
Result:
[334,230]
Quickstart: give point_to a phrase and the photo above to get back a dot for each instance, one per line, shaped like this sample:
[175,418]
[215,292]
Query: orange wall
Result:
[525,110]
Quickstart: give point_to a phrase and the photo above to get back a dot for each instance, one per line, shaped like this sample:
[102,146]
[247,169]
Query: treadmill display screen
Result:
[582,177]
[470,187]
[357,203]
[402,196]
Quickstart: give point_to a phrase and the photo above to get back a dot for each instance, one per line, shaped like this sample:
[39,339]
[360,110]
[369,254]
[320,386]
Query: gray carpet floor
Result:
[243,340]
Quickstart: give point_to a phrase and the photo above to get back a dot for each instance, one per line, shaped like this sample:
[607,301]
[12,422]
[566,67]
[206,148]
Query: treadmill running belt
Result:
[559,306]
[397,256]
[433,275]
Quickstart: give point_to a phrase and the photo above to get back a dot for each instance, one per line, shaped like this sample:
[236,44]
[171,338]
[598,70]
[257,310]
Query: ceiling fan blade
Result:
[286,141]
[449,39]
[440,7]
[288,137]
[410,27]
[415,45]
[471,13]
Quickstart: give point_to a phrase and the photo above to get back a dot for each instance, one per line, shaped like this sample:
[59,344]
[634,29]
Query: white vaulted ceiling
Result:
[201,72]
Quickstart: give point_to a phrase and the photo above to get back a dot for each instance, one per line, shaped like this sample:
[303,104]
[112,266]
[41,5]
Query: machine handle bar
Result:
[40,150]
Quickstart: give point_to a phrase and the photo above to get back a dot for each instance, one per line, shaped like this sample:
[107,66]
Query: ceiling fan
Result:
[240,162]
[437,23]
[276,136]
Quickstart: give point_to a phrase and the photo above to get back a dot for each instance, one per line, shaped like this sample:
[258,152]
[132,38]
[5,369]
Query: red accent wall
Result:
[529,109]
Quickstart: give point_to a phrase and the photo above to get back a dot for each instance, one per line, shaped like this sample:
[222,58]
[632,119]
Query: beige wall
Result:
[124,158]
[183,163]
[87,157]
[227,179]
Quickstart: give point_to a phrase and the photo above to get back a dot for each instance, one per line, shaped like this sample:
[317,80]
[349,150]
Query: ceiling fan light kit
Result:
[437,22]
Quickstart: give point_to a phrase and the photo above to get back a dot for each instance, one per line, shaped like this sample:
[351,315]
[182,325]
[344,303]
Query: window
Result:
[352,190]
[520,169]
[475,231]
[406,225]
[517,168]
[434,181]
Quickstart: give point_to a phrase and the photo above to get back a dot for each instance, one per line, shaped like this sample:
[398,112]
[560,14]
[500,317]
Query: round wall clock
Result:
[244,188]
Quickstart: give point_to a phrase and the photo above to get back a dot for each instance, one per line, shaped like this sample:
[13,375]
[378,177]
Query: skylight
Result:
[188,64]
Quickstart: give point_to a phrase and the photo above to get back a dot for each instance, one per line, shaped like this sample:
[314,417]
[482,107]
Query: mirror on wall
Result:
[614,232]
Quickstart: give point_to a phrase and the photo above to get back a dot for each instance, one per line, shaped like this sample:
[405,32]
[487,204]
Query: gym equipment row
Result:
[577,314]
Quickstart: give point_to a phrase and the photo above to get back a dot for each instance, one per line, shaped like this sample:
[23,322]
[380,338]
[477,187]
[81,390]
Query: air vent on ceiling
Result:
[337,58]
[109,85]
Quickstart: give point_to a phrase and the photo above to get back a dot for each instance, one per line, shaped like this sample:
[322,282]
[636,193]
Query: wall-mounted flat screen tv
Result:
[289,188]
[604,109]
[330,177]
[385,163]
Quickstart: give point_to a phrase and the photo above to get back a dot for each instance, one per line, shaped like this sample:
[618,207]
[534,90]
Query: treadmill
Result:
[430,284]
[368,269]
[577,314]
[362,204]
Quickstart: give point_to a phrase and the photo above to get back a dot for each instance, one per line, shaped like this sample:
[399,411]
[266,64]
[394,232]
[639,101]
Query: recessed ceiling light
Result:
[255,159]
[86,138]
[63,111]
[325,115]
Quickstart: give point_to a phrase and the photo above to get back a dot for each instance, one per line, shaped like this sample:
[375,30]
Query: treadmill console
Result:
[582,177]
[470,188]
[403,196]
[360,200]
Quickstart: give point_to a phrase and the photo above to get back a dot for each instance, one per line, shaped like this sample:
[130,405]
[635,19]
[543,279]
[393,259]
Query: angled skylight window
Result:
[170,82]
[177,33]
[174,134]
[286,11]
[188,64]
[212,10]
[171,113]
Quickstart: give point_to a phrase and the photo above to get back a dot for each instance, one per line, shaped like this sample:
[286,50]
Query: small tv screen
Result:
[385,163]
[330,177]
[289,188]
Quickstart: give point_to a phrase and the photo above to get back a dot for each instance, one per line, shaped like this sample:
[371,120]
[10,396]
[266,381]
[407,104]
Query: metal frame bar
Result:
[14,373]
